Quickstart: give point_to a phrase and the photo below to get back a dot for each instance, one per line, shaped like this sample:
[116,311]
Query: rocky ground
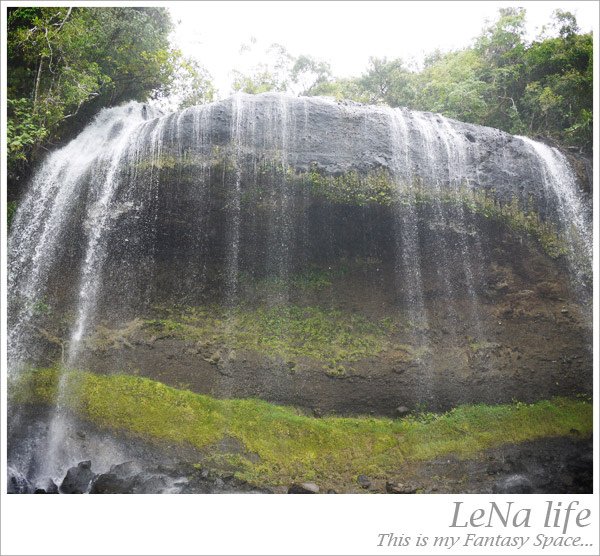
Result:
[134,465]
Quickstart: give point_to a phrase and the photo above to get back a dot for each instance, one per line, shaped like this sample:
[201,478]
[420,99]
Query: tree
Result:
[65,64]
[385,81]
[558,97]
[538,88]
[281,72]
[308,73]
[191,84]
[341,88]
[453,84]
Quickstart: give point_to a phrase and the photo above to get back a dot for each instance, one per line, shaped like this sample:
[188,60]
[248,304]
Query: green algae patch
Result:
[282,331]
[289,446]
[311,280]
[352,187]
[379,187]
[375,187]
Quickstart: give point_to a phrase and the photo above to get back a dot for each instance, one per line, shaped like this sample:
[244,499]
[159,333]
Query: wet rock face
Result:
[17,483]
[78,479]
[444,236]
[338,137]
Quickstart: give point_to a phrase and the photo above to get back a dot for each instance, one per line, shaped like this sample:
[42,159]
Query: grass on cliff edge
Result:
[291,446]
[289,331]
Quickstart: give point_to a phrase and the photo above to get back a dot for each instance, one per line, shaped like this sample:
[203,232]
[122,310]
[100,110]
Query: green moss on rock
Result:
[352,187]
[287,332]
[290,446]
[379,187]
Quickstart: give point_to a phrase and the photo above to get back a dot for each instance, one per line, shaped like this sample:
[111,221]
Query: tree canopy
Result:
[65,62]
[543,87]
[281,71]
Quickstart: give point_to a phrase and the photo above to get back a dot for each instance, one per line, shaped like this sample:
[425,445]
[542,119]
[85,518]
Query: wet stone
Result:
[364,481]
[78,479]
[399,488]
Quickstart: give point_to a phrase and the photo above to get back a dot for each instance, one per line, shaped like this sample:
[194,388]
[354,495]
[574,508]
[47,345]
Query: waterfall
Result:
[143,210]
[85,185]
[85,170]
[560,185]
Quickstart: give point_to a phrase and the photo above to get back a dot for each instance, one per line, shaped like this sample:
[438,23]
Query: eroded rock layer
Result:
[335,257]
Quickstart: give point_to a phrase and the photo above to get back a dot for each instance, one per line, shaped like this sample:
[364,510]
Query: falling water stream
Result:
[560,183]
[100,199]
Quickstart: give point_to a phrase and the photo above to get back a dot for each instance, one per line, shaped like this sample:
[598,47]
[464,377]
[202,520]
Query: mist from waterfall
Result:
[96,205]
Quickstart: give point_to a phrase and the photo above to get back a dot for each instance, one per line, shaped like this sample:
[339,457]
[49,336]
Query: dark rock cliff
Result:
[329,255]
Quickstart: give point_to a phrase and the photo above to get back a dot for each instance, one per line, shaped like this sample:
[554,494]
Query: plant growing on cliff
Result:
[378,187]
[285,332]
[287,445]
[70,62]
[11,209]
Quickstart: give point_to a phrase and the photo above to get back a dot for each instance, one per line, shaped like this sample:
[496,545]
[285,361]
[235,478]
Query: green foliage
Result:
[281,71]
[558,96]
[378,187]
[538,88]
[385,80]
[307,73]
[192,84]
[69,61]
[352,187]
[285,332]
[340,89]
[11,209]
[454,86]
[260,81]
[41,308]
[289,446]
[22,129]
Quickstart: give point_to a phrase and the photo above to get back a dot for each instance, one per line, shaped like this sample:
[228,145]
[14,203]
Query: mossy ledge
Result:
[289,445]
[377,187]
[286,332]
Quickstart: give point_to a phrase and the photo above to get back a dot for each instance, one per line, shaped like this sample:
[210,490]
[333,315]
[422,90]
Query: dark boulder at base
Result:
[17,483]
[109,483]
[141,478]
[78,479]
[131,478]
[121,479]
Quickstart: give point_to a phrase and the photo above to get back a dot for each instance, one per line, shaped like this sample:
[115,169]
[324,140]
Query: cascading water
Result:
[574,218]
[397,213]
[83,171]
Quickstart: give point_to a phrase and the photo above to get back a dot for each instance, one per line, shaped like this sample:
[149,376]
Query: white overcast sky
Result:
[342,33]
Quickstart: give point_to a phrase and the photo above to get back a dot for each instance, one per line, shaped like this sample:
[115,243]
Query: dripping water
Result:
[574,220]
[95,195]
